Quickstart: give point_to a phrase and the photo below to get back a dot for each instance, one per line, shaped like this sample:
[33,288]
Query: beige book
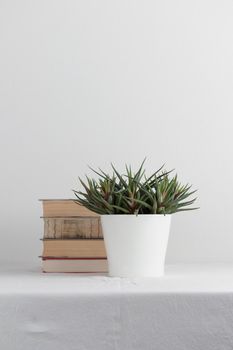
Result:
[78,265]
[74,248]
[64,207]
[73,227]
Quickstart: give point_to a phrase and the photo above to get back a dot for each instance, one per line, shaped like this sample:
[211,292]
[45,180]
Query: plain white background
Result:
[89,82]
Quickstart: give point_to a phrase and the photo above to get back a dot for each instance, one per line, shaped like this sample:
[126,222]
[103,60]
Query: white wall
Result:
[89,82]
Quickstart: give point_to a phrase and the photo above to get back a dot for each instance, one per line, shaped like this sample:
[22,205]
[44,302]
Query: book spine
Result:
[74,248]
[76,228]
[60,258]
[65,208]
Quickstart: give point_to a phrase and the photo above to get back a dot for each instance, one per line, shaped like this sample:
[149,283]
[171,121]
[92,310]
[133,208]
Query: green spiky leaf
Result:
[134,192]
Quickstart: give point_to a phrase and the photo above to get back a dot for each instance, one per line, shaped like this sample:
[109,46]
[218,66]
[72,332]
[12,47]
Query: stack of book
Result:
[73,240]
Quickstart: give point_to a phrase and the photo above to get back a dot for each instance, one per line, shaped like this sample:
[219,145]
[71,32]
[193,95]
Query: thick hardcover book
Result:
[72,227]
[75,265]
[64,207]
[74,248]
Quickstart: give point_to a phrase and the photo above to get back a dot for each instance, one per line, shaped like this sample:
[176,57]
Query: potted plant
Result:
[135,213]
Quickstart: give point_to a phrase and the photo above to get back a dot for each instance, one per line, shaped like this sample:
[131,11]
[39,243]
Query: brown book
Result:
[64,207]
[72,227]
[75,265]
[74,248]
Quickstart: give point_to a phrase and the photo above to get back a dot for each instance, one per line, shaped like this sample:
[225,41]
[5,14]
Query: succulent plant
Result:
[134,192]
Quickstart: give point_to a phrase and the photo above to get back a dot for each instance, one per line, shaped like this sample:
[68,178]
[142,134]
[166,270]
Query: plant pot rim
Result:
[132,215]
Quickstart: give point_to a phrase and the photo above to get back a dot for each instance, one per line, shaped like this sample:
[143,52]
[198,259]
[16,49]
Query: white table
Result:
[191,308]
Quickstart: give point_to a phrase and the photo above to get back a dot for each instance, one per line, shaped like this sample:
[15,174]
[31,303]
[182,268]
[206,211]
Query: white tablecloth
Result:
[191,308]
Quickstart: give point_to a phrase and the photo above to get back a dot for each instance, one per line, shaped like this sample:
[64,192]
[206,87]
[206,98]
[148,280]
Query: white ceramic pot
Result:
[136,245]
